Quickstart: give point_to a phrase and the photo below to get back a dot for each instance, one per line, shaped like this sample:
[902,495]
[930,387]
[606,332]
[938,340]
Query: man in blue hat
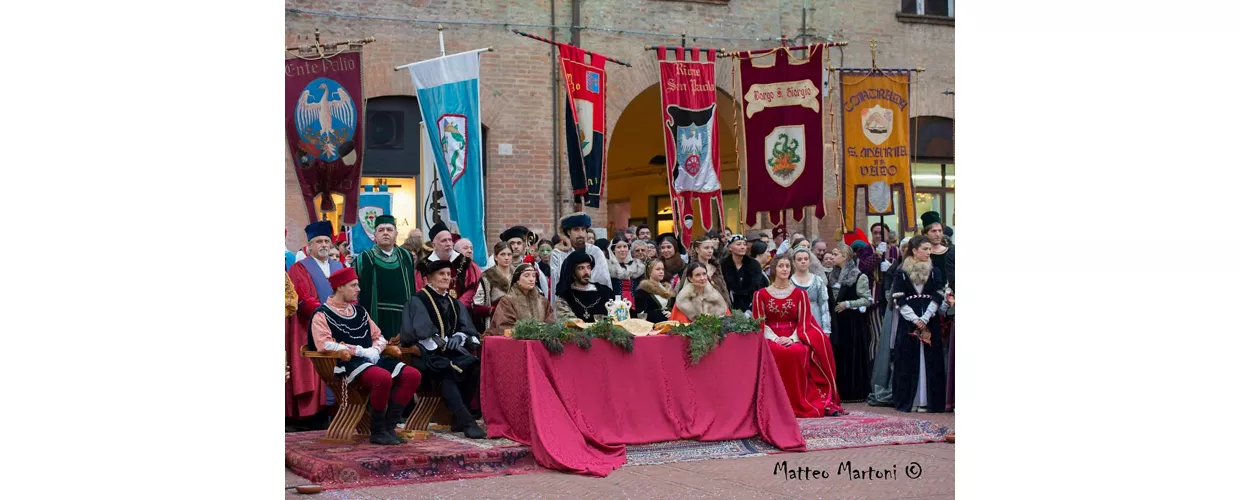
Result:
[574,228]
[305,391]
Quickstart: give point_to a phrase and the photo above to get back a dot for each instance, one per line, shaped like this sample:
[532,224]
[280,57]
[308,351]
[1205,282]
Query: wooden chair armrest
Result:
[306,353]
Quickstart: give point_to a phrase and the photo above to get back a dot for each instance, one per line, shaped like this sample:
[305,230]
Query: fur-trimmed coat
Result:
[692,304]
[655,300]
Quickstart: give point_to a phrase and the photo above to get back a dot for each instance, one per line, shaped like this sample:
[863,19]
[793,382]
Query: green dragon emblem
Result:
[783,160]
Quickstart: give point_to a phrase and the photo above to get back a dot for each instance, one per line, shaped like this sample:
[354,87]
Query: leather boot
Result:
[465,422]
[379,433]
[391,417]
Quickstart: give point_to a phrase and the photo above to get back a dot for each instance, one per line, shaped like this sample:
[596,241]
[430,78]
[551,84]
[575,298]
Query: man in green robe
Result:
[386,276]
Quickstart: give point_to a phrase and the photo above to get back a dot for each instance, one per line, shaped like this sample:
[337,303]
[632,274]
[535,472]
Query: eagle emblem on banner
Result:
[325,117]
[691,144]
[785,154]
[452,129]
[876,124]
[368,215]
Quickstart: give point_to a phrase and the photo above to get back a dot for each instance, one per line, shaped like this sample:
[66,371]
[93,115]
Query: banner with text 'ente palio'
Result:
[691,136]
[876,148]
[322,113]
[782,118]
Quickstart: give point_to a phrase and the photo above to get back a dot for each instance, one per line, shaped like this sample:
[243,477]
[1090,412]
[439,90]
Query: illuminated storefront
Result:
[934,172]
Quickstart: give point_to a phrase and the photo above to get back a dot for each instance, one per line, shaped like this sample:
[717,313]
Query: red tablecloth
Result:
[577,410]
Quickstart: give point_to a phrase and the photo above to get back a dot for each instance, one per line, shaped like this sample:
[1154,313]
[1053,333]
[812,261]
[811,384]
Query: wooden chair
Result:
[430,403]
[348,421]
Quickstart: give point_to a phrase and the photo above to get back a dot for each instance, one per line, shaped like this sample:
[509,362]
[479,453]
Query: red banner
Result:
[691,136]
[782,119]
[323,111]
[585,124]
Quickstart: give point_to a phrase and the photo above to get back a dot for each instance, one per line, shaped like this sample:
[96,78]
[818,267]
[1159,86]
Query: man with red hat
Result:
[342,245]
[338,326]
[305,393]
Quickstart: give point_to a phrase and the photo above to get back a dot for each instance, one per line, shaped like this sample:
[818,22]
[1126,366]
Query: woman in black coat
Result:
[742,273]
[654,296]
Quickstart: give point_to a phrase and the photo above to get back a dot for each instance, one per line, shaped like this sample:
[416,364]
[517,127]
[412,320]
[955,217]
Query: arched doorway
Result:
[637,168]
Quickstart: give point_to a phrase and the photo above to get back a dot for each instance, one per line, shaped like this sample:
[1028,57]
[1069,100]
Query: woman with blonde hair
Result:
[654,296]
[850,331]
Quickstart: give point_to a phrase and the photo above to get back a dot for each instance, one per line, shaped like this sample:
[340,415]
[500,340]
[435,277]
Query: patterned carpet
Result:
[446,456]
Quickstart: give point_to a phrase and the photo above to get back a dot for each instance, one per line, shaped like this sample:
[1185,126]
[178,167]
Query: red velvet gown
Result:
[807,367]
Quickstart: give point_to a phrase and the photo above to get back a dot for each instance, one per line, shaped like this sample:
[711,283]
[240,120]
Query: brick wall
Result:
[516,90]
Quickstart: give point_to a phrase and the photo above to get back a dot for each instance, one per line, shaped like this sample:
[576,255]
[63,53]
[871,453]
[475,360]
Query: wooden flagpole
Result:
[558,44]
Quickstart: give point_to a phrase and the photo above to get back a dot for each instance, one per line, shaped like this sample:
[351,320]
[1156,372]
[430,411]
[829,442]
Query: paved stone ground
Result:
[751,477]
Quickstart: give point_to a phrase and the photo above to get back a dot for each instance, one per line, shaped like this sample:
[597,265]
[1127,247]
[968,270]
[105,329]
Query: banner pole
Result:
[558,44]
[439,28]
[486,49]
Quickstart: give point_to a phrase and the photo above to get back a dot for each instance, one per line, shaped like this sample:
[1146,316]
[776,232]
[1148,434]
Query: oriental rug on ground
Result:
[446,457]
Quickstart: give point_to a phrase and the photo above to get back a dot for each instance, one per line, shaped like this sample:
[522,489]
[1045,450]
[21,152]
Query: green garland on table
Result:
[704,333]
[707,331]
[555,335]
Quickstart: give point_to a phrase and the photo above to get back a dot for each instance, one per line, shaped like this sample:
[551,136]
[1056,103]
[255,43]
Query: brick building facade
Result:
[519,95]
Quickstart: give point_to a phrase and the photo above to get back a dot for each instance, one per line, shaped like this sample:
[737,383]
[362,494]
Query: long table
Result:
[579,409]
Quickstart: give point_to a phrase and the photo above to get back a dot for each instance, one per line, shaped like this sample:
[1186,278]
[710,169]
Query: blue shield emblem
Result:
[592,81]
[326,117]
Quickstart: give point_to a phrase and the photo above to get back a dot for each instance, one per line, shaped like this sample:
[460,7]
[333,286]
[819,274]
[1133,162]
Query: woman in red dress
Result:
[802,351]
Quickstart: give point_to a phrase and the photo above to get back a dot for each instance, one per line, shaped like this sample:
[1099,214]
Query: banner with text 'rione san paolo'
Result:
[691,136]
[875,115]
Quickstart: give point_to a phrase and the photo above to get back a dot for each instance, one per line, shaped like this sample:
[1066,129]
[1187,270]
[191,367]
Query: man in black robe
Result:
[441,327]
[575,295]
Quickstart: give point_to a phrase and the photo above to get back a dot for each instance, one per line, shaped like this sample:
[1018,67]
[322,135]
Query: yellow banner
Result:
[876,146]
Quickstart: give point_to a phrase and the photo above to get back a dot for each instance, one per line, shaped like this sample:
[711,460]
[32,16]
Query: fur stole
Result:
[918,272]
[528,305]
[501,282]
[635,268]
[673,266]
[709,302]
[846,276]
[652,288]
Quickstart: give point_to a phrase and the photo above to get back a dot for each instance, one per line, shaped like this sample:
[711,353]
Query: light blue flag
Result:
[448,95]
[371,205]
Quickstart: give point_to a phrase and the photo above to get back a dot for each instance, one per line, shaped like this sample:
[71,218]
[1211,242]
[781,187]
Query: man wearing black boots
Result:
[339,326]
[442,329]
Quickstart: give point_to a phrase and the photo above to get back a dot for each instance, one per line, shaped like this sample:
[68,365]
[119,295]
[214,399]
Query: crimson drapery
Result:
[579,409]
